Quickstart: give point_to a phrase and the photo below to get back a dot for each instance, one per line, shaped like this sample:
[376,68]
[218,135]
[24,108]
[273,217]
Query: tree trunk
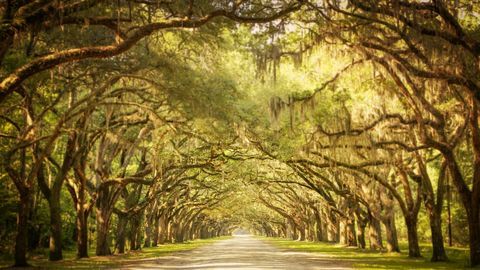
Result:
[203,232]
[474,239]
[292,229]
[342,232]
[413,246]
[82,210]
[473,204]
[103,223]
[318,227]
[439,254]
[375,233]
[134,232]
[312,234]
[169,233]
[333,229]
[121,233]
[55,228]
[391,234]
[324,231]
[148,236]
[35,230]
[133,238]
[139,238]
[148,230]
[350,232]
[21,242]
[361,234]
[179,236]
[470,200]
[302,234]
[162,234]
[449,214]
[82,233]
[156,231]
[188,231]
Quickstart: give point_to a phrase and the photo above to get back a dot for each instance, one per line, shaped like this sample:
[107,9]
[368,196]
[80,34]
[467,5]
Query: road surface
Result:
[241,252]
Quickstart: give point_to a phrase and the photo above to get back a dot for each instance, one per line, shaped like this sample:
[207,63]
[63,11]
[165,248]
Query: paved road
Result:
[241,252]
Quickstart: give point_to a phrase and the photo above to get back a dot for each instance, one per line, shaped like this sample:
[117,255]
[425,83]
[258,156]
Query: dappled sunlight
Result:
[195,134]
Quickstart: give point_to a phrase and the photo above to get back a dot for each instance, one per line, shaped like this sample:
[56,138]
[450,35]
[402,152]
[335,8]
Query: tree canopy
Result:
[133,123]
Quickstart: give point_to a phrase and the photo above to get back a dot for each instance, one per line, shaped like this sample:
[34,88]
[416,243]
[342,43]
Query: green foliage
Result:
[232,123]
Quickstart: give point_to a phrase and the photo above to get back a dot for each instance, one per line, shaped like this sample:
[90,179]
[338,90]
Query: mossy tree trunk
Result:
[374,233]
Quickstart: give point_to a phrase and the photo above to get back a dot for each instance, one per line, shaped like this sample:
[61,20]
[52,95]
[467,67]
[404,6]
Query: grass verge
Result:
[366,259]
[40,258]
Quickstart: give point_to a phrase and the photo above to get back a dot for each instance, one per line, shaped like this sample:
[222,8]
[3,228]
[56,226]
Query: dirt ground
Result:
[240,252]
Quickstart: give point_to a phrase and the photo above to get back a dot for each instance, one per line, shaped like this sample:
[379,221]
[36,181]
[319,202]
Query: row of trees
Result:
[119,149]
[160,129]
[395,127]
[123,141]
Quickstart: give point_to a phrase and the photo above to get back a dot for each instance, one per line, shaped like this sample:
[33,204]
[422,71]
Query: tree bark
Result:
[449,214]
[21,243]
[179,235]
[318,226]
[79,198]
[361,234]
[433,206]
[439,253]
[55,227]
[324,231]
[121,234]
[134,232]
[148,236]
[148,230]
[292,231]
[53,194]
[471,204]
[375,233]
[156,231]
[343,231]
[333,229]
[350,232]
[413,246]
[311,231]
[82,236]
[162,234]
[474,213]
[301,234]
[103,223]
[391,234]
[474,239]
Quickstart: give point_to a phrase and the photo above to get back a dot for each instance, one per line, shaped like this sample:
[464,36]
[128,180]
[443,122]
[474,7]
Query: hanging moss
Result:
[276,107]
[291,106]
[275,56]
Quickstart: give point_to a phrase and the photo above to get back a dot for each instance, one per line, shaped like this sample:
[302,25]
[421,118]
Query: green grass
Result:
[365,259]
[40,258]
